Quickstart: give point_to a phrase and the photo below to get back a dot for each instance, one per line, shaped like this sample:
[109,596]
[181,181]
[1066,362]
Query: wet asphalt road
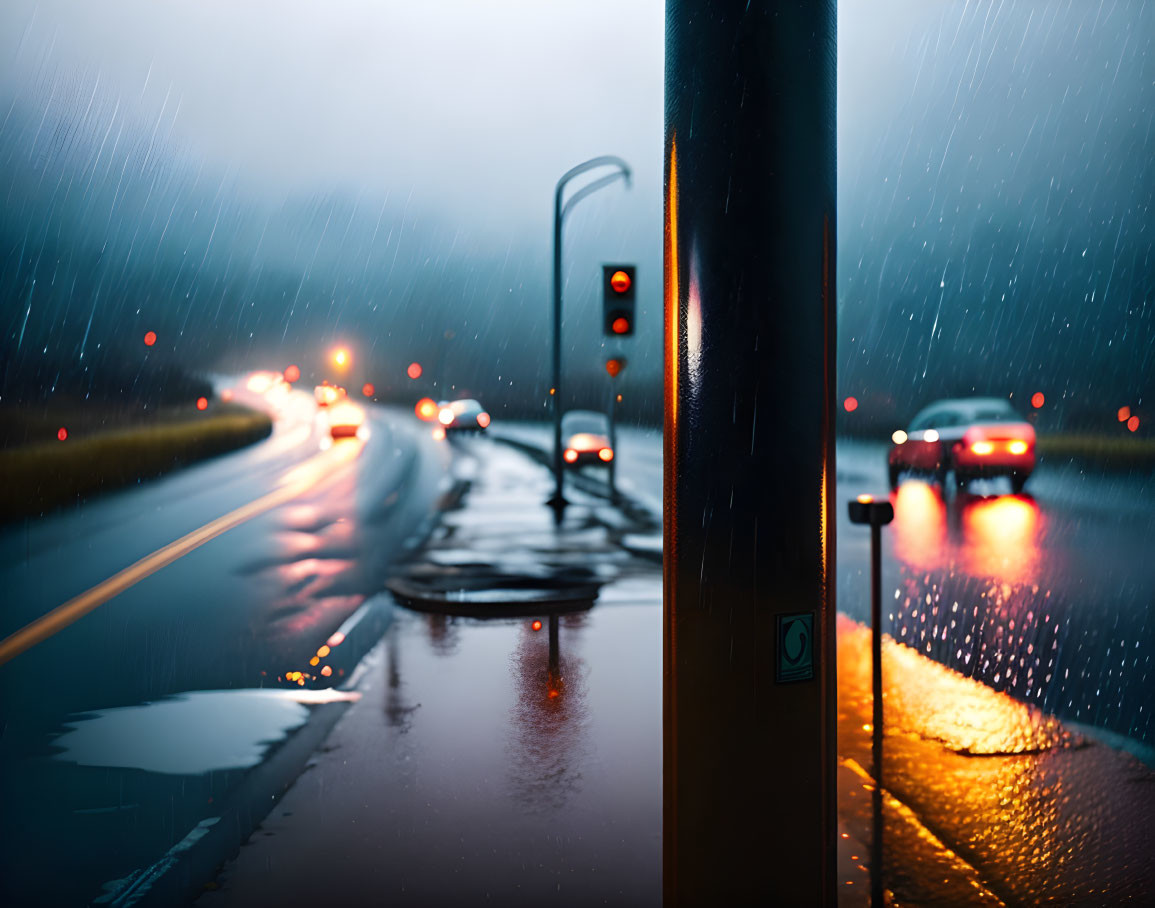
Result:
[237,612]
[1047,596]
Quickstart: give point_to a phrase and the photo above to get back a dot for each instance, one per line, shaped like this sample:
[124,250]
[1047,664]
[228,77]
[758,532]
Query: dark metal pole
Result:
[749,719]
[558,502]
[613,439]
[865,510]
[876,718]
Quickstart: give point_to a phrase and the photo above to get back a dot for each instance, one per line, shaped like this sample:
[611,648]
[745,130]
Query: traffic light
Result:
[618,300]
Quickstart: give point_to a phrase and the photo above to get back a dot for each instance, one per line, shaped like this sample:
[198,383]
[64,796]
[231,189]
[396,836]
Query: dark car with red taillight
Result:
[586,437]
[973,438]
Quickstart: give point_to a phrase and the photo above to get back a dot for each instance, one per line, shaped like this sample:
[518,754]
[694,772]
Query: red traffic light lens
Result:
[620,325]
[620,281]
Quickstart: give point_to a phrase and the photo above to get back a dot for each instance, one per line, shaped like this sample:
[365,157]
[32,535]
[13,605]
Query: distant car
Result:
[326,394]
[345,419]
[973,438]
[462,415]
[585,438]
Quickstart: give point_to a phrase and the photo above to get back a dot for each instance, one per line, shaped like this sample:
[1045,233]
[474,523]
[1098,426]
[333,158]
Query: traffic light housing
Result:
[618,300]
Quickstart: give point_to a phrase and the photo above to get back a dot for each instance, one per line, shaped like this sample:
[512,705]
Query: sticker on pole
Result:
[795,647]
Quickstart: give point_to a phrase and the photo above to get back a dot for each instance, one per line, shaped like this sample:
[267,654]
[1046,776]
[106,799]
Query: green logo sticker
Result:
[795,647]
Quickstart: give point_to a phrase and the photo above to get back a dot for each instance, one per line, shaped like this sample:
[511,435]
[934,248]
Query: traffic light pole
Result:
[749,800]
[558,502]
[613,439]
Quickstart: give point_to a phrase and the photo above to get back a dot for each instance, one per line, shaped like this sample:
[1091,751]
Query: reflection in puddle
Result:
[994,537]
[1000,538]
[191,733]
[920,538]
[549,739]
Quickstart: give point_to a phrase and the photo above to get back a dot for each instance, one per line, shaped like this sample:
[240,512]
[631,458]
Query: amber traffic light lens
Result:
[620,325]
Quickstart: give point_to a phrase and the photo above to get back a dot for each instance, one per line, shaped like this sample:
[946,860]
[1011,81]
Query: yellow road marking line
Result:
[299,481]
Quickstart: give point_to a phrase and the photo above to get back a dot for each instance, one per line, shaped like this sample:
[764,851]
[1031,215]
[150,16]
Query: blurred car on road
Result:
[326,394]
[462,415]
[973,438]
[585,438]
[345,419]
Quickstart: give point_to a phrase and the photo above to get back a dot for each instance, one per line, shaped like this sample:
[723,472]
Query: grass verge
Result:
[39,478]
[1102,451]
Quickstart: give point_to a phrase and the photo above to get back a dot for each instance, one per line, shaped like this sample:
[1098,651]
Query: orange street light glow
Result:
[149,338]
[368,390]
[341,357]
[202,403]
[1133,423]
[851,404]
[1124,414]
[292,374]
[414,370]
[1037,399]
[426,409]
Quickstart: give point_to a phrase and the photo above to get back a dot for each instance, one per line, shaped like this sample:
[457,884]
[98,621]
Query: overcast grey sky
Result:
[465,103]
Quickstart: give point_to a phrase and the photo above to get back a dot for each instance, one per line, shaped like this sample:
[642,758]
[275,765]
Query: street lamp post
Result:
[558,502]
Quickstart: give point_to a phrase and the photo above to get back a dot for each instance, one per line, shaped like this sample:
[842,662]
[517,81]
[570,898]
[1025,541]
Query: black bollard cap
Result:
[864,509]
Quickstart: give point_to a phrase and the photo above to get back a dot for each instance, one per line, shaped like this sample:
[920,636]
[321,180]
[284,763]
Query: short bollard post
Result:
[865,510]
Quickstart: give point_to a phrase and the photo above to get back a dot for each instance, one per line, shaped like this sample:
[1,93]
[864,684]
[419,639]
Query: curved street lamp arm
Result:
[600,161]
[593,187]
[605,160]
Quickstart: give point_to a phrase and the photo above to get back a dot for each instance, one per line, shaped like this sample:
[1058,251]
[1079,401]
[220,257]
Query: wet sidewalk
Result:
[480,767]
[470,772]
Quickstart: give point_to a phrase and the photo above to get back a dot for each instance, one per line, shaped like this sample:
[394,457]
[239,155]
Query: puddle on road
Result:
[191,733]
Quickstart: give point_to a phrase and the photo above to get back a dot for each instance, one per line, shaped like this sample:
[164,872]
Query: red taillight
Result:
[606,454]
[1018,447]
[570,455]
[982,448]
[483,419]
